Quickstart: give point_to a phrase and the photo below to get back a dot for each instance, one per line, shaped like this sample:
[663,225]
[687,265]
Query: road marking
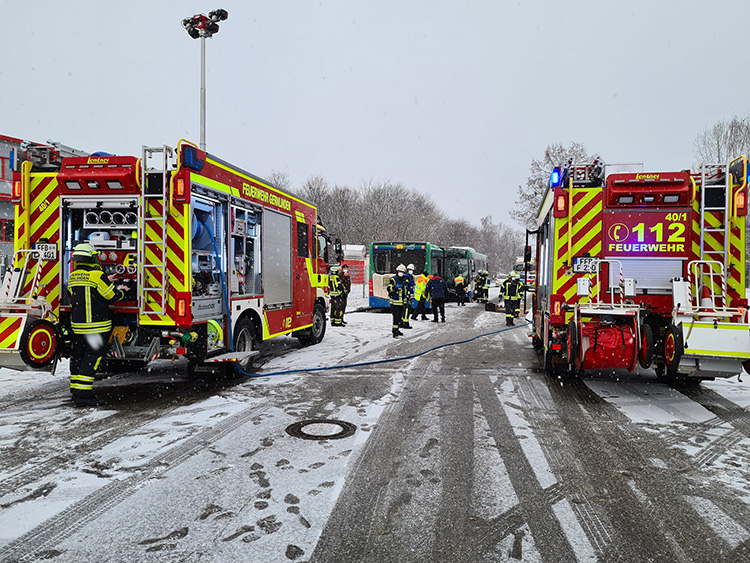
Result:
[724,526]
[583,549]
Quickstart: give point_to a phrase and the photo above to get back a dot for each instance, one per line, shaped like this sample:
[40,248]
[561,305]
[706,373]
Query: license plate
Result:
[47,251]
[585,265]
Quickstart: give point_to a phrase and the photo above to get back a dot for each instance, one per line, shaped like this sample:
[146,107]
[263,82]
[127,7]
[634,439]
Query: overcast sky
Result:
[451,98]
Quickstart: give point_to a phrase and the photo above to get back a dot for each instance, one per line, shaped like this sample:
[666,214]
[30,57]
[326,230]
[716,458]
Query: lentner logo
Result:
[97,160]
[647,176]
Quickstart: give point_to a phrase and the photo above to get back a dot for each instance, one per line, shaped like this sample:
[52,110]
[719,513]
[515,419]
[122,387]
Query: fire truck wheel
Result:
[244,341]
[673,349]
[646,346]
[38,343]
[573,347]
[317,330]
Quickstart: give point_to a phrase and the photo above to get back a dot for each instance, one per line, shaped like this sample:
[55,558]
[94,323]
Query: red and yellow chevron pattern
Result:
[579,233]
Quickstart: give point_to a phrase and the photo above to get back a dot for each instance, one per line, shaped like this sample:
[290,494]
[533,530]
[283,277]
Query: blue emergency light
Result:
[556,177]
[190,158]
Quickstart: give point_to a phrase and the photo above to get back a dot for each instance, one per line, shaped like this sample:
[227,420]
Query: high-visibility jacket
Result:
[90,294]
[336,285]
[420,283]
[459,282]
[398,290]
[485,281]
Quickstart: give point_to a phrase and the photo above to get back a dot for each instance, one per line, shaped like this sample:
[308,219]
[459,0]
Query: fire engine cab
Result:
[215,259]
[638,268]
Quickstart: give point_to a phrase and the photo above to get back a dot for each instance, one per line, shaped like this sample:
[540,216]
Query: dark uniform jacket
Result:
[398,290]
[436,288]
[337,286]
[90,294]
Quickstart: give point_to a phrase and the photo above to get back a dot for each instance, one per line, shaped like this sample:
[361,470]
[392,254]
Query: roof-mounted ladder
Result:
[715,212]
[156,165]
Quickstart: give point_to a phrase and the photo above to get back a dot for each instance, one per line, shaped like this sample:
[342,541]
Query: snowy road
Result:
[467,453]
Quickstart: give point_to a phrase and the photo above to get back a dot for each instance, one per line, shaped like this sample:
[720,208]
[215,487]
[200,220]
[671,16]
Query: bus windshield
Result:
[385,260]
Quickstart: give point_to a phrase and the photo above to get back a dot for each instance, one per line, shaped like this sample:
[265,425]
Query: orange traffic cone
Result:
[707,304]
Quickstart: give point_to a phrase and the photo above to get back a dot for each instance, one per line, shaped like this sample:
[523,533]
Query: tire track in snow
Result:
[45,536]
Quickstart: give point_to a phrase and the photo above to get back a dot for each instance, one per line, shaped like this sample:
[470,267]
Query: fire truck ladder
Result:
[715,201]
[152,274]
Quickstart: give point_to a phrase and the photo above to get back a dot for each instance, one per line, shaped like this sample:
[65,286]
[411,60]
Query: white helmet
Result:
[400,268]
[410,267]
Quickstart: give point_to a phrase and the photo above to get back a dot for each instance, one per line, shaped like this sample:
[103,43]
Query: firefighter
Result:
[436,290]
[90,320]
[410,300]
[485,285]
[346,280]
[337,295]
[398,291]
[511,291]
[420,294]
[479,287]
[460,290]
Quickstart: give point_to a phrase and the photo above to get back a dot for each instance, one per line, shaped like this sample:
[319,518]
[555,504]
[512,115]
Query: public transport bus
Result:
[386,256]
[465,261]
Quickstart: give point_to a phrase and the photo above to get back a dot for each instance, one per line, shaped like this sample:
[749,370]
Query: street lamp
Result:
[204,26]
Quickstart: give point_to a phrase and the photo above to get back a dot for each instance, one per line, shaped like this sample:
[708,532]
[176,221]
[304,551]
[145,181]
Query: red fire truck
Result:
[640,268]
[217,259]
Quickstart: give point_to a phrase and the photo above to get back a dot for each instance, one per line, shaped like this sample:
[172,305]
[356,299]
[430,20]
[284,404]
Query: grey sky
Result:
[451,98]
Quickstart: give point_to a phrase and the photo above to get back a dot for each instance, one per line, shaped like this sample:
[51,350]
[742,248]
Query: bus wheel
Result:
[38,343]
[318,329]
[646,346]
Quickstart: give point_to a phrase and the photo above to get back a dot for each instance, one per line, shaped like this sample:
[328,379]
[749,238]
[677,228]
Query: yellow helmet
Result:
[84,251]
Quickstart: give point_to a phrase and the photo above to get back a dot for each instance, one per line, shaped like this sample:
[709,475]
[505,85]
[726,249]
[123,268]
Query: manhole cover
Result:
[320,429]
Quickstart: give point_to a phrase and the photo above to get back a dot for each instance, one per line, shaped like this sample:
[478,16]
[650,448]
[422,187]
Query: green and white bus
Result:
[386,256]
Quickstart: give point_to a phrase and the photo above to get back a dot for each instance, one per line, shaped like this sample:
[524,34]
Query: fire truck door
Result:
[303,268]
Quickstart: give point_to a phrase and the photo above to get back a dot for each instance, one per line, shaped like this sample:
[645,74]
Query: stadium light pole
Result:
[200,26]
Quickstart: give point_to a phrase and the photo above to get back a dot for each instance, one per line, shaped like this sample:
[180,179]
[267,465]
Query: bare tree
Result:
[530,196]
[280,180]
[723,141]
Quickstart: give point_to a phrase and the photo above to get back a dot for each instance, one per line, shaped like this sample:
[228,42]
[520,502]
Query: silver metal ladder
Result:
[152,255]
[715,197]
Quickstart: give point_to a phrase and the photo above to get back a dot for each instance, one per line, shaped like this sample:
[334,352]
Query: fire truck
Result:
[638,268]
[215,259]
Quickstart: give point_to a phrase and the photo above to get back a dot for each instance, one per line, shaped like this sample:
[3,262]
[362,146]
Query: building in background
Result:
[11,149]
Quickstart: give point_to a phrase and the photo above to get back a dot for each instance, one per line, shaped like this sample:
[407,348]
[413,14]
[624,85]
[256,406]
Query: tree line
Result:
[378,210]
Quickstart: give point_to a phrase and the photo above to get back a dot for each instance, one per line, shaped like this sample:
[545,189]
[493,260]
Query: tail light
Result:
[370,284]
[740,202]
[17,191]
[561,205]
[556,312]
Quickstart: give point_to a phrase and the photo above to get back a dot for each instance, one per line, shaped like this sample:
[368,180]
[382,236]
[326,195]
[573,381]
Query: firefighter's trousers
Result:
[512,307]
[398,314]
[337,310]
[407,312]
[87,353]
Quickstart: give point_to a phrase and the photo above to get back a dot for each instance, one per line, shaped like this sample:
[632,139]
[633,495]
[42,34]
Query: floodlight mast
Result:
[201,26]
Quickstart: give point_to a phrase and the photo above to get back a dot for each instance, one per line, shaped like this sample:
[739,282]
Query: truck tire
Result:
[244,341]
[673,350]
[39,343]
[573,346]
[318,329]
[646,346]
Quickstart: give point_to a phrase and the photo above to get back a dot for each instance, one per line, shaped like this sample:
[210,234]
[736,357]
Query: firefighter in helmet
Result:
[411,302]
[338,297]
[90,294]
[398,292]
[512,292]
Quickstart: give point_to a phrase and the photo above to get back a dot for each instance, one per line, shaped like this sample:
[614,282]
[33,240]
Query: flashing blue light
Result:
[190,158]
[556,177]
